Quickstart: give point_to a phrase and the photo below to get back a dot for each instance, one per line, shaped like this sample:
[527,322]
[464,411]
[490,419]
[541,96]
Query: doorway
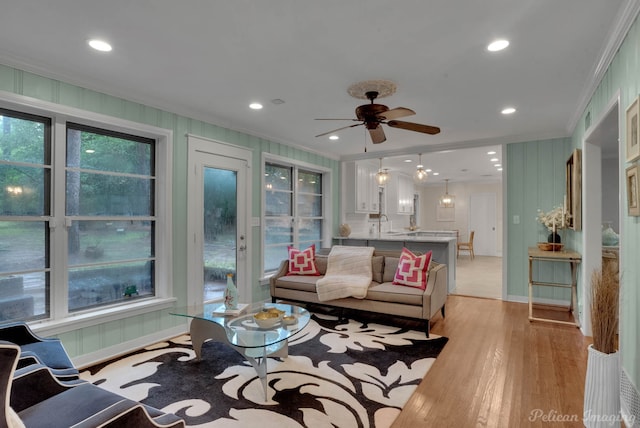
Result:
[600,195]
[218,205]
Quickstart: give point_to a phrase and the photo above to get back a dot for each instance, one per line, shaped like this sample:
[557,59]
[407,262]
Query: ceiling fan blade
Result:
[354,120]
[377,135]
[425,129]
[396,112]
[339,129]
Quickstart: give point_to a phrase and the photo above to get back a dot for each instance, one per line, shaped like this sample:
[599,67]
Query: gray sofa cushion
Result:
[390,267]
[321,264]
[388,292]
[298,282]
[377,265]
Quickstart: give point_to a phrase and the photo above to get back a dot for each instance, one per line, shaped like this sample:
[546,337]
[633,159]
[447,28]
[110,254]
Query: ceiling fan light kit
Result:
[373,115]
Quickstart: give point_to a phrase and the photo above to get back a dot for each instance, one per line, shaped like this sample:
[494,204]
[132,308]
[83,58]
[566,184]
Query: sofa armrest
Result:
[435,295]
[282,271]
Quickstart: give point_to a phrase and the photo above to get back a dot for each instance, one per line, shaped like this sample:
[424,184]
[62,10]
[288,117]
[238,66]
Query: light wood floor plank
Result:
[498,370]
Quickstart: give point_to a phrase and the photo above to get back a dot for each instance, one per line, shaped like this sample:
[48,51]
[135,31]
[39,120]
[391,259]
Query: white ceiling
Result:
[208,59]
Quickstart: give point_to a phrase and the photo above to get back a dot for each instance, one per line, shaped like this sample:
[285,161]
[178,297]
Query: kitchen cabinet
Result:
[362,188]
[405,194]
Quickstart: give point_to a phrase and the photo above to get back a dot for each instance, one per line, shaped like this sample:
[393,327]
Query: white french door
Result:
[218,221]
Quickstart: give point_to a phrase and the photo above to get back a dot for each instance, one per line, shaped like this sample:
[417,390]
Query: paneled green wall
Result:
[623,75]
[86,340]
[535,181]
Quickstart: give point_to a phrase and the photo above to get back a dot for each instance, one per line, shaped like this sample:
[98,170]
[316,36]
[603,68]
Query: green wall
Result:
[535,181]
[92,339]
[623,75]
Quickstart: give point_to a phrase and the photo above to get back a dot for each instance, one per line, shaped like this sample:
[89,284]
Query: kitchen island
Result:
[441,242]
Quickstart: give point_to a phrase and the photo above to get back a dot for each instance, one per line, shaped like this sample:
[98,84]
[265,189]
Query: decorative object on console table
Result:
[609,236]
[554,220]
[633,205]
[602,382]
[633,129]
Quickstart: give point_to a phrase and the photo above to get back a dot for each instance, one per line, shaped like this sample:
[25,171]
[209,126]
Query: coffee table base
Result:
[202,330]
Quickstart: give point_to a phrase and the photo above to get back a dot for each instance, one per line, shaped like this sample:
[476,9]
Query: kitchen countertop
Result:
[400,236]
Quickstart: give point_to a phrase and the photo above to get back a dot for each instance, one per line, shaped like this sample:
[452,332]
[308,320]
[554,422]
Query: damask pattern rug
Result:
[338,374]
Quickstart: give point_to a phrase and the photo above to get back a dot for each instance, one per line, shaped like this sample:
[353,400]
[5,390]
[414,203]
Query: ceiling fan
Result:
[373,115]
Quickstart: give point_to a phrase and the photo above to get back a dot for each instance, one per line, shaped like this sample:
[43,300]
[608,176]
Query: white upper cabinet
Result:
[362,189]
[405,194]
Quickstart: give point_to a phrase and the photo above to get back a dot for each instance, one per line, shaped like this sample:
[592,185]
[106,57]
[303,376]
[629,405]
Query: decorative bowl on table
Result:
[550,246]
[267,319]
[289,320]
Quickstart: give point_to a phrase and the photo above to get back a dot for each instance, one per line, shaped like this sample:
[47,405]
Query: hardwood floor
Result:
[500,370]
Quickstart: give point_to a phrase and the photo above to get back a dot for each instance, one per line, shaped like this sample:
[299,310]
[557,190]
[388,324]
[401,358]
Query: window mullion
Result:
[59,306]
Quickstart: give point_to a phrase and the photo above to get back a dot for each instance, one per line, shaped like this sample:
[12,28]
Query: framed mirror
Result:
[574,189]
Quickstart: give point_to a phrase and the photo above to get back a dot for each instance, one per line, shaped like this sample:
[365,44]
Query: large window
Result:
[25,253]
[78,217]
[293,211]
[110,216]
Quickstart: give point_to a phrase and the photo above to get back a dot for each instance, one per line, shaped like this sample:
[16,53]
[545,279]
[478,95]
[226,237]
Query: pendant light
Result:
[382,176]
[447,200]
[420,176]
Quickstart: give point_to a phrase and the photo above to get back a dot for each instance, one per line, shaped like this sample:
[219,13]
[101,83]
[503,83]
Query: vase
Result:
[230,294]
[345,230]
[554,238]
[609,236]
[602,389]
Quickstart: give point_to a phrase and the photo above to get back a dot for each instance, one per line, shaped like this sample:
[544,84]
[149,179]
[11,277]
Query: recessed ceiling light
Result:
[408,161]
[436,173]
[494,159]
[497,45]
[334,137]
[508,110]
[499,169]
[492,152]
[100,45]
[497,165]
[255,106]
[428,170]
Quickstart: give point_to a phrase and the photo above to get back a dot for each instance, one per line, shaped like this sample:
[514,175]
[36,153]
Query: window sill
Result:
[100,316]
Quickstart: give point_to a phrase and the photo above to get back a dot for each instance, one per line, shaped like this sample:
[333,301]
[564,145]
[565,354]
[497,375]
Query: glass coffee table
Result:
[243,334]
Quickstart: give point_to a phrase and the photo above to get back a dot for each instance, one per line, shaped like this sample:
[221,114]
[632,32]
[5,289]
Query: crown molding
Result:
[625,18]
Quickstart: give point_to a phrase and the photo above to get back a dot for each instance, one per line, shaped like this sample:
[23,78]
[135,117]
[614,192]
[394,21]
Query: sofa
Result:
[382,295]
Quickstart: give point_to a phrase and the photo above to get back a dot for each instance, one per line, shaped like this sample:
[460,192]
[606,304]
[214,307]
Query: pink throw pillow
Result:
[412,269]
[302,262]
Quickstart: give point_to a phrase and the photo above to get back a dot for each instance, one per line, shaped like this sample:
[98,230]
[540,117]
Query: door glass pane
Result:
[220,230]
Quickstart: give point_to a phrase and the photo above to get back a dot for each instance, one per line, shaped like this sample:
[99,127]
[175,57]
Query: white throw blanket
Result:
[348,274]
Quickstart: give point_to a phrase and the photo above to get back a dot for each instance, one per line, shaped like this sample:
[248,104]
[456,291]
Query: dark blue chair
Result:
[34,397]
[39,350]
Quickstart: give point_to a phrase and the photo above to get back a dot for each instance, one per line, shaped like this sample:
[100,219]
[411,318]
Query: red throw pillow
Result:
[302,262]
[412,269]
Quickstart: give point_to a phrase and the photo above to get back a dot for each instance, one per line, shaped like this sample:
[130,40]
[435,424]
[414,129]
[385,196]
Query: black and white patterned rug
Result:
[337,375]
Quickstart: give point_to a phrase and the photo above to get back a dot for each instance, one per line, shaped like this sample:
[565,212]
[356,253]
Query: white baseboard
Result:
[105,354]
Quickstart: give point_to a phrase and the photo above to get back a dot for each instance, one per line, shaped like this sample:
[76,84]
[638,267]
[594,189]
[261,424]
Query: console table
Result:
[570,257]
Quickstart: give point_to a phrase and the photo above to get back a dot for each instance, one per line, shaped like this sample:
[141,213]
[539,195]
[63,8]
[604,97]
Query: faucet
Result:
[380,221]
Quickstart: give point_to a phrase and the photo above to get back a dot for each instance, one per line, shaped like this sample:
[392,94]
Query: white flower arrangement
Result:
[557,218]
